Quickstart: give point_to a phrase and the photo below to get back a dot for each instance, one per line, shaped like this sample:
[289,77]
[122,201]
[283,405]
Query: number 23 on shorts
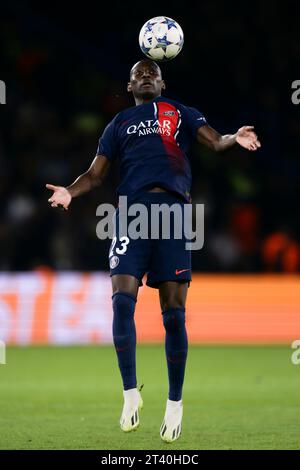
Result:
[120,251]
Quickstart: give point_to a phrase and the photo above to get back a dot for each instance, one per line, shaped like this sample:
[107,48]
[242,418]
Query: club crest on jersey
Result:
[169,113]
[114,261]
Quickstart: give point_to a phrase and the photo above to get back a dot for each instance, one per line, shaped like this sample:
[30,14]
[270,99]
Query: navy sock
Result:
[124,336]
[176,346]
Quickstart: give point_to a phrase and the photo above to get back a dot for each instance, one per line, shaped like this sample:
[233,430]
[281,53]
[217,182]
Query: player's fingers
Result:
[248,128]
[257,143]
[51,186]
[54,204]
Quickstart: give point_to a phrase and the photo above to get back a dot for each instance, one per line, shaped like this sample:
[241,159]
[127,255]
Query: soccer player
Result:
[151,140]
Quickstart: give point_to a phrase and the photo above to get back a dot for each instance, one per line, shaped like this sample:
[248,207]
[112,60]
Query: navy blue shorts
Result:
[161,259]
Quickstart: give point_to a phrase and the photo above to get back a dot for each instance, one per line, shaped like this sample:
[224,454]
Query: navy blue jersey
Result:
[151,140]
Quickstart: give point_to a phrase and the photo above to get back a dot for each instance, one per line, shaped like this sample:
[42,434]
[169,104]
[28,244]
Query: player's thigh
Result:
[125,283]
[172,294]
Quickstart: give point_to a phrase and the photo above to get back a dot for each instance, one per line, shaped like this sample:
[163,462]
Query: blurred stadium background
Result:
[66,72]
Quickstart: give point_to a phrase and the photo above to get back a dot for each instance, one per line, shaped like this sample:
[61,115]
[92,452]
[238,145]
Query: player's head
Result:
[146,82]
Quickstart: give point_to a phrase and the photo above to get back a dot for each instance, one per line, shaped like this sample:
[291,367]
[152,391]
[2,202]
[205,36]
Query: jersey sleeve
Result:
[195,119]
[108,142]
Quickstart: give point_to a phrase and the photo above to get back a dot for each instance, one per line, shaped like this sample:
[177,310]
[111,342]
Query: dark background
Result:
[66,67]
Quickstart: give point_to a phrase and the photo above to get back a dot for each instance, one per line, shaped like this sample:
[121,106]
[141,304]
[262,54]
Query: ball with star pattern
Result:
[161,38]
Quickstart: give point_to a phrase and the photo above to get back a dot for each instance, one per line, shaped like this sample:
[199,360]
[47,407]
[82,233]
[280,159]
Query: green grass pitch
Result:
[235,397]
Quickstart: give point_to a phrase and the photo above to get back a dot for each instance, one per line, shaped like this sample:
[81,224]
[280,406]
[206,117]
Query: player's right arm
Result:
[245,137]
[93,177]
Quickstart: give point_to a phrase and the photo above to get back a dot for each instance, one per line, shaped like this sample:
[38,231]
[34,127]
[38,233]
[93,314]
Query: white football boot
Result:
[170,429]
[133,402]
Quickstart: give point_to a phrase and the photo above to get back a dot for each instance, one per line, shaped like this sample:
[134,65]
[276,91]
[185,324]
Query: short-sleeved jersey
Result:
[152,140]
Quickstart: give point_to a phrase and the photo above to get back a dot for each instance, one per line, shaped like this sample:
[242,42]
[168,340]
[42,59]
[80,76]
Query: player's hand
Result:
[247,138]
[60,197]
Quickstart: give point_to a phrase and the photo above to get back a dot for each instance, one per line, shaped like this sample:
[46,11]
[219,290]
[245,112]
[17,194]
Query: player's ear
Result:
[129,86]
[163,85]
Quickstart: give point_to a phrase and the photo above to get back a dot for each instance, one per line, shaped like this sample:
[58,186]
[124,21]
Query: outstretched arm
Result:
[93,177]
[245,137]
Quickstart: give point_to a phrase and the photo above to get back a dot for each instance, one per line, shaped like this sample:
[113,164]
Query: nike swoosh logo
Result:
[179,271]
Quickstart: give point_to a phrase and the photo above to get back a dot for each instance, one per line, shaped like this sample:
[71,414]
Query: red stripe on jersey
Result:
[168,117]
[169,120]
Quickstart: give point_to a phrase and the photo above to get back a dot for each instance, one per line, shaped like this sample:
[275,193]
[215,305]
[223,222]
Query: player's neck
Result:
[141,100]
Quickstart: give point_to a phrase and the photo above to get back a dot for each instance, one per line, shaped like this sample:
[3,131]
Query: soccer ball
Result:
[161,38]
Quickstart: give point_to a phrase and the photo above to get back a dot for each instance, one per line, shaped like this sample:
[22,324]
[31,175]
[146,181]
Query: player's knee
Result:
[172,303]
[174,319]
[123,283]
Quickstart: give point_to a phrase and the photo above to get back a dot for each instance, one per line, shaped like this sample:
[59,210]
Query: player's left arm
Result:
[245,137]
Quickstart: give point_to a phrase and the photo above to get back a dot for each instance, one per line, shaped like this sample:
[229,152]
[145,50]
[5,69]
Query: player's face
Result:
[146,81]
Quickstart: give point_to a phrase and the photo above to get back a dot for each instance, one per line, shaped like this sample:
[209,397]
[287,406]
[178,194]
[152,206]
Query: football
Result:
[161,38]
